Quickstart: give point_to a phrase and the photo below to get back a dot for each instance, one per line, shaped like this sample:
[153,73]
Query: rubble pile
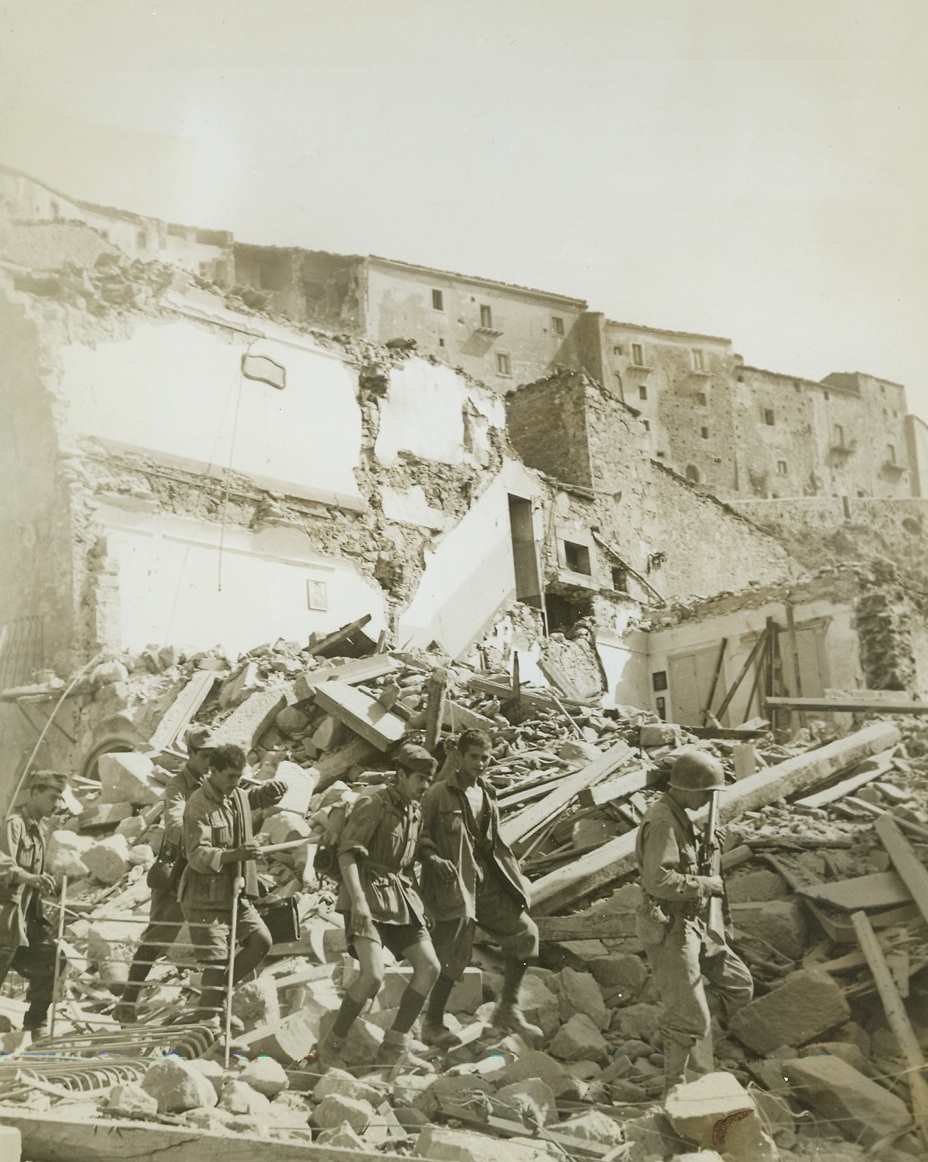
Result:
[827,838]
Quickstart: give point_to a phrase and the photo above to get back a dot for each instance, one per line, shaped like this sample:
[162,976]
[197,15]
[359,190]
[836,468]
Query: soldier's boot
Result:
[35,1020]
[396,1052]
[676,1059]
[435,1033]
[509,1015]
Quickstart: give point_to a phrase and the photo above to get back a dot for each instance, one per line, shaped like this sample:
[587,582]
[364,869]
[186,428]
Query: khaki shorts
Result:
[210,930]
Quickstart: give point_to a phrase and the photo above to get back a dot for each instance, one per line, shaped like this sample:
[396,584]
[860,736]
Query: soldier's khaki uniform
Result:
[671,926]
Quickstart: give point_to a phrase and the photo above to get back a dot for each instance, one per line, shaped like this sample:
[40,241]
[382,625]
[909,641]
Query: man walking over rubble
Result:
[377,849]
[165,917]
[26,940]
[220,873]
[469,877]
[672,919]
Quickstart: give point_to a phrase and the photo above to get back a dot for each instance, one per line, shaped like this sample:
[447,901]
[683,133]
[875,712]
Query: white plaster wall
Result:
[840,648]
[176,587]
[423,413]
[175,387]
[471,573]
[625,660]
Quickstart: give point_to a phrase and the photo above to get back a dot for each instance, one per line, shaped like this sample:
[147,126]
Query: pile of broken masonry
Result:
[826,843]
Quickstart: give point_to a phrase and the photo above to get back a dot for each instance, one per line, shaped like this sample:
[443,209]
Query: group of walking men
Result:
[449,826]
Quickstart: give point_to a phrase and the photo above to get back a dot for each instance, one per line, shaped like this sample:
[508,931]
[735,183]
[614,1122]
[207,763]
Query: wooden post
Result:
[516,688]
[748,662]
[707,712]
[910,868]
[437,688]
[898,1020]
[794,653]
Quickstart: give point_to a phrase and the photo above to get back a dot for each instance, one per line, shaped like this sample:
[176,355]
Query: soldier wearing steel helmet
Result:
[672,919]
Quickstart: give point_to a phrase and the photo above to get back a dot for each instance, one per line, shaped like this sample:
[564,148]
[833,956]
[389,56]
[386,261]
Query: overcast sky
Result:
[748,168]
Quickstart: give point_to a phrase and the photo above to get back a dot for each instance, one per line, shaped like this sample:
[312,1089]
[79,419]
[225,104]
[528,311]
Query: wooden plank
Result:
[614,789]
[366,717]
[534,699]
[898,1020]
[852,705]
[846,786]
[436,690]
[878,890]
[905,861]
[350,642]
[617,857]
[521,825]
[353,671]
[457,717]
[61,1136]
[560,681]
[175,721]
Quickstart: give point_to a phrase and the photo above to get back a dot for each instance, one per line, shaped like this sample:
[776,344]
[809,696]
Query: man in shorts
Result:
[382,909]
[469,877]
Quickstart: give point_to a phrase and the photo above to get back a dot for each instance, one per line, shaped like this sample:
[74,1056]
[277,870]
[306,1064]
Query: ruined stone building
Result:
[182,470]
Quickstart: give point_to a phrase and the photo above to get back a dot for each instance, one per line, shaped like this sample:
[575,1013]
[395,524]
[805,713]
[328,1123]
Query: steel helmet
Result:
[696,770]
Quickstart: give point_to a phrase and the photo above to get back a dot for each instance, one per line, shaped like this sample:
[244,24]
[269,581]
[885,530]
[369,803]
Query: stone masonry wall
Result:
[547,425]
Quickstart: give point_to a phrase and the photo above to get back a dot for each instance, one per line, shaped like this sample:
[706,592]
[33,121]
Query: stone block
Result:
[532,1098]
[780,923]
[177,1086]
[265,1075]
[335,1109]
[342,1082]
[579,1039]
[98,816]
[754,886]
[301,785]
[11,1144]
[282,826]
[573,750]
[533,1063]
[290,1039]
[126,1100]
[236,689]
[127,778]
[238,1097]
[716,1112]
[108,859]
[864,1110]
[439,1144]
[247,722]
[654,734]
[621,972]
[578,992]
[110,939]
[594,1126]
[641,1023]
[343,1137]
[64,854]
[291,722]
[212,1071]
[806,1005]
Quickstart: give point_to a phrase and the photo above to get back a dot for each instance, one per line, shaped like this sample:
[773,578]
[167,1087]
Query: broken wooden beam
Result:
[619,788]
[62,1138]
[436,690]
[846,786]
[910,868]
[532,699]
[363,714]
[521,825]
[348,642]
[593,871]
[178,715]
[353,671]
[897,1018]
[851,705]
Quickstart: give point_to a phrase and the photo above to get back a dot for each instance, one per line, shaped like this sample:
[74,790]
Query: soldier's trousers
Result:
[679,962]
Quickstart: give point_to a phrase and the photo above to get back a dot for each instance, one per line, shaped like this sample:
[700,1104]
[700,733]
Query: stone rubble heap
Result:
[808,1069]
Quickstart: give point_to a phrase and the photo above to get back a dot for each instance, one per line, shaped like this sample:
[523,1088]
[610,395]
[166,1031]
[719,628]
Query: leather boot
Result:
[510,1017]
[395,1051]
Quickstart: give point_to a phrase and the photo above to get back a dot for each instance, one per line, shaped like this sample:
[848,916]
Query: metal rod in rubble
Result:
[55,979]
[233,937]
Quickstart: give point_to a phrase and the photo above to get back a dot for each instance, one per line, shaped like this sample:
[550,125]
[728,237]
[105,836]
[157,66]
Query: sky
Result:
[754,169]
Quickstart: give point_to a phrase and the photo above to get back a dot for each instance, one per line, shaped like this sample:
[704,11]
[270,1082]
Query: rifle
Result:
[712,864]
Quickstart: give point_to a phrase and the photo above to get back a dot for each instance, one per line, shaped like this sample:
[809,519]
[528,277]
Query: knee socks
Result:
[438,999]
[411,1004]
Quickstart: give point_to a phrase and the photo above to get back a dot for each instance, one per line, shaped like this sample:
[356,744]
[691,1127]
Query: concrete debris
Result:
[595,1088]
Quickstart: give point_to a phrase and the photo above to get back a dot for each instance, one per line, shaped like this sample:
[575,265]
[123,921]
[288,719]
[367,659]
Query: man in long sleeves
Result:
[469,877]
[221,850]
[382,909]
[672,920]
[26,940]
[165,917]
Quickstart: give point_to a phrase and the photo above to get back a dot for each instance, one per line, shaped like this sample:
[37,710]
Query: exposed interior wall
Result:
[547,424]
[470,574]
[184,582]
[174,386]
